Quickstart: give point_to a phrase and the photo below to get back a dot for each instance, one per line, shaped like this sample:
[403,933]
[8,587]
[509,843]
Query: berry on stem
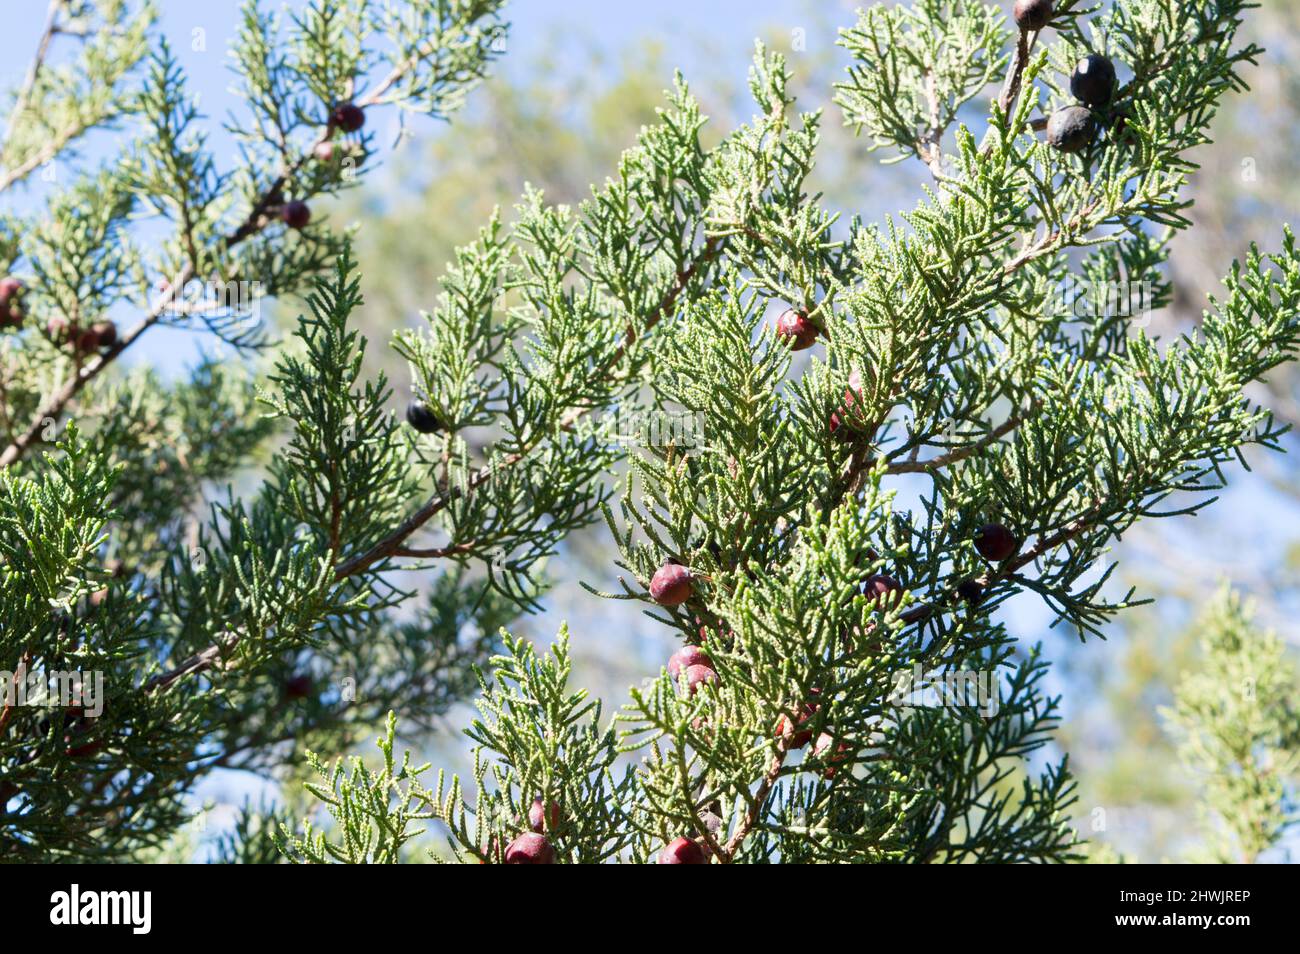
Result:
[699,675]
[324,151]
[794,326]
[105,333]
[841,753]
[1032,14]
[59,329]
[685,658]
[540,818]
[1070,128]
[971,592]
[882,590]
[421,417]
[298,687]
[530,848]
[683,851]
[800,738]
[842,423]
[1093,80]
[348,116]
[295,214]
[672,585]
[995,542]
[11,301]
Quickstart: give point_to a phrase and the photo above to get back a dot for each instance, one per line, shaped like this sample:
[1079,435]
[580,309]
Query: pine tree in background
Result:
[223,640]
[761,517]
[1240,733]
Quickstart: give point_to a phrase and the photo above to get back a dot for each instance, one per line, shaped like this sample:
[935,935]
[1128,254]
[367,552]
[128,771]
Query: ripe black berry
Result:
[530,848]
[686,657]
[540,818]
[995,542]
[422,418]
[295,214]
[672,585]
[794,326]
[1070,128]
[971,592]
[348,116]
[683,851]
[1033,14]
[1093,80]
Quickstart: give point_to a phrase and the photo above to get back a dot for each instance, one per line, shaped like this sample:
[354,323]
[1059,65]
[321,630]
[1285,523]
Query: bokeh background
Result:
[578,80]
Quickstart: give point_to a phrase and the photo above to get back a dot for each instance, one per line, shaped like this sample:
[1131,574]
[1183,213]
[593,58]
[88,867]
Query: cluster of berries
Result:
[346,117]
[1072,128]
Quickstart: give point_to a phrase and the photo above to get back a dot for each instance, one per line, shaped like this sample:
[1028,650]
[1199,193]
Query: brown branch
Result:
[760,796]
[19,670]
[53,408]
[929,147]
[204,659]
[1015,76]
[1044,546]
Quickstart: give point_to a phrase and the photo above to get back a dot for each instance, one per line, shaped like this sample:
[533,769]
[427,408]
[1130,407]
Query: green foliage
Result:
[948,390]
[1066,427]
[224,633]
[373,811]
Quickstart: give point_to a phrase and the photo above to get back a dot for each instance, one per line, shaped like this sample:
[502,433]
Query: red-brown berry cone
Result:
[1032,14]
[59,329]
[538,819]
[846,423]
[348,117]
[683,851]
[697,676]
[298,687]
[686,657]
[995,542]
[842,751]
[882,590]
[800,738]
[295,214]
[795,327]
[105,333]
[672,585]
[530,848]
